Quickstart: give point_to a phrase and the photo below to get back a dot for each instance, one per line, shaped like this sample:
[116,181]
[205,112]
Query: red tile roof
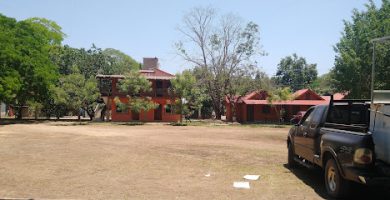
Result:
[259,98]
[156,74]
[292,102]
[336,96]
[301,92]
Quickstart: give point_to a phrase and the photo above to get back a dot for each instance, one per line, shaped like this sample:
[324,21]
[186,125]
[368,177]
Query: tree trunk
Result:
[36,113]
[181,111]
[200,112]
[20,111]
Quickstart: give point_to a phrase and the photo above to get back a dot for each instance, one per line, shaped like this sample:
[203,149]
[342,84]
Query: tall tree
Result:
[119,62]
[352,70]
[184,87]
[27,71]
[295,72]
[79,93]
[323,85]
[222,48]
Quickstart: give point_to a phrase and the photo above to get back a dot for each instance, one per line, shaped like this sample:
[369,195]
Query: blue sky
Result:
[146,28]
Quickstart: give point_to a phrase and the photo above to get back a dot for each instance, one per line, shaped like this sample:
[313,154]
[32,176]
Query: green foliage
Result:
[134,84]
[138,104]
[280,94]
[24,59]
[119,62]
[353,62]
[184,87]
[76,93]
[323,85]
[92,61]
[295,72]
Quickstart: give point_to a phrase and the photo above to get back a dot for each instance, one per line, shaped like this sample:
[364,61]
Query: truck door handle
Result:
[304,134]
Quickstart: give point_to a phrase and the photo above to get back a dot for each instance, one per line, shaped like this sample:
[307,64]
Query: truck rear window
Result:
[349,114]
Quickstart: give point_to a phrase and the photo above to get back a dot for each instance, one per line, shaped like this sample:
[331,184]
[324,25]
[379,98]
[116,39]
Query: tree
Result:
[323,85]
[57,103]
[134,84]
[78,93]
[295,72]
[279,95]
[353,61]
[27,71]
[119,62]
[183,87]
[222,50]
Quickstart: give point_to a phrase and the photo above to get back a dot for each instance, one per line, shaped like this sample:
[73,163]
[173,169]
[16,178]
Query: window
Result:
[307,118]
[159,84]
[168,108]
[266,109]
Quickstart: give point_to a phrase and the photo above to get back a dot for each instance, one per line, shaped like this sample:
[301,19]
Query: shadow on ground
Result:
[315,179]
[38,121]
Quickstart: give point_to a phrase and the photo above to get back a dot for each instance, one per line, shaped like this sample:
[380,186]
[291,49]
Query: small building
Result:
[254,106]
[160,80]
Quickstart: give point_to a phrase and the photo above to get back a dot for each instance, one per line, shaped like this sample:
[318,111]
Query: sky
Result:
[146,28]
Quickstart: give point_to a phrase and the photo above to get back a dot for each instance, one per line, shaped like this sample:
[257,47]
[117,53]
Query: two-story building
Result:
[160,80]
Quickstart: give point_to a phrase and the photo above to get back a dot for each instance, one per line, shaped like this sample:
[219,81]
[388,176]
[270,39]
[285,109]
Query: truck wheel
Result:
[335,185]
[290,157]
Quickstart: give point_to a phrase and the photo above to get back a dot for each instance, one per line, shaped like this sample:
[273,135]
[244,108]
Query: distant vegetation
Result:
[37,70]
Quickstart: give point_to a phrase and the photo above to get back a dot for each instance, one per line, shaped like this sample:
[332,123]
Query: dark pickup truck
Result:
[340,138]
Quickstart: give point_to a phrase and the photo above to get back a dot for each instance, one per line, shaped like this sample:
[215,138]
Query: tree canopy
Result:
[295,72]
[353,62]
[222,47]
[27,71]
[133,85]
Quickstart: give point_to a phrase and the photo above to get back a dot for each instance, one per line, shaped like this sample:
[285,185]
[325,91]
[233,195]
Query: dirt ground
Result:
[112,161]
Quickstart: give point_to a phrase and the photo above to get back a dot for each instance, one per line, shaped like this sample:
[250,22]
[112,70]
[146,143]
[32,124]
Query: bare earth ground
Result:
[111,161]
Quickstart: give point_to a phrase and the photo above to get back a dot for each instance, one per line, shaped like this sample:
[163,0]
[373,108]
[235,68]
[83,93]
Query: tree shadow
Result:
[315,179]
[8,121]
[134,123]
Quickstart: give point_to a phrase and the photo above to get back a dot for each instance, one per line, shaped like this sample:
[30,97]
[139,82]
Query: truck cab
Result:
[339,138]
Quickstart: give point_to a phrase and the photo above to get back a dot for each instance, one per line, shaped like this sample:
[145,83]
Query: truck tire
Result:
[290,157]
[335,184]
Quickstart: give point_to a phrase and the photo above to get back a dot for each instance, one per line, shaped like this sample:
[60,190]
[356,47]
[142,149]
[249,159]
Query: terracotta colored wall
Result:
[144,116]
[273,115]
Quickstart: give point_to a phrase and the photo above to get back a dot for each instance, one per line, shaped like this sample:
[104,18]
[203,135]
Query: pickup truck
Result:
[348,139]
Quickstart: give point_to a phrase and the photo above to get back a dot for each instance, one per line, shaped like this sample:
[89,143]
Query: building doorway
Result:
[158,112]
[250,112]
[135,116]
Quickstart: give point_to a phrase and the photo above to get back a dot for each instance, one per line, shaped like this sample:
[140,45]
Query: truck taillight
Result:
[362,156]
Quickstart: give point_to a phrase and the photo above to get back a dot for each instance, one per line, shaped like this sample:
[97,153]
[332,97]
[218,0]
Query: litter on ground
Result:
[252,177]
[241,185]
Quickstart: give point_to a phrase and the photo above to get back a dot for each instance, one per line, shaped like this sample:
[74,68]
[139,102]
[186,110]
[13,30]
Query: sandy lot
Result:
[106,161]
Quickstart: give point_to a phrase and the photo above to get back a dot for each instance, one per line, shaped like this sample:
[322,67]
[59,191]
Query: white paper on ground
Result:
[251,177]
[207,175]
[242,185]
